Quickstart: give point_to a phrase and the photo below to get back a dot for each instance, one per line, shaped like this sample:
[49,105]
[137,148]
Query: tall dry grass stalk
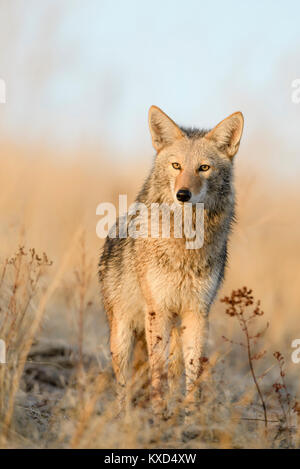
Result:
[19,283]
[20,329]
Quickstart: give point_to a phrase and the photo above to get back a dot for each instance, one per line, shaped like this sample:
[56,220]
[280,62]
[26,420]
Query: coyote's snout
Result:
[150,283]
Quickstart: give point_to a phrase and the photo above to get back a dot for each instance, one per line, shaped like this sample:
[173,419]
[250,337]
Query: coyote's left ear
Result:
[163,130]
[227,134]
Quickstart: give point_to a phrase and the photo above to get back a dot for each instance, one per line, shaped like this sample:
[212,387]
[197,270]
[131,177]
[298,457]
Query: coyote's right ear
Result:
[163,130]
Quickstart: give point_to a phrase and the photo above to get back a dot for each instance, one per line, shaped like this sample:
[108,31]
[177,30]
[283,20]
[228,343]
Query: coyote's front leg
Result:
[194,335]
[121,342]
[158,337]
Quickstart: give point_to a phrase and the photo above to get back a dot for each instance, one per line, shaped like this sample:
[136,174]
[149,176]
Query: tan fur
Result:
[156,284]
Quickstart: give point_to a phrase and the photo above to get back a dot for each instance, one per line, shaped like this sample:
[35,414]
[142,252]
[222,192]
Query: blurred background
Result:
[80,77]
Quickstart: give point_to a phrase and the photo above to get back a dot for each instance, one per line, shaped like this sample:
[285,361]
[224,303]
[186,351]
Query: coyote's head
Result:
[195,164]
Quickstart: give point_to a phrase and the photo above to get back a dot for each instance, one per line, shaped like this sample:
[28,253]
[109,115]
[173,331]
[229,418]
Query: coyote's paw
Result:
[189,433]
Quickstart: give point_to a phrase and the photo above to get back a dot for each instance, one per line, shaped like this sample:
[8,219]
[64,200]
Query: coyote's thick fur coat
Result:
[152,284]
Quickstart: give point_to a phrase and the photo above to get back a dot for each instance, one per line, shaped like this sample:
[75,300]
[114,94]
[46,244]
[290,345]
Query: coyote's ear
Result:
[163,130]
[227,134]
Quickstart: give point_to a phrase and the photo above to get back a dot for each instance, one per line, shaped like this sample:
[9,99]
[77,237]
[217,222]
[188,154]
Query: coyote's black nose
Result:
[183,195]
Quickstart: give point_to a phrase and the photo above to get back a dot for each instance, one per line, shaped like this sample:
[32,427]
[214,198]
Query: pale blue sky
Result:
[89,70]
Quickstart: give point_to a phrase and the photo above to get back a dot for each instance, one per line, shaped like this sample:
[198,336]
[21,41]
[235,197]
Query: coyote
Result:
[148,284]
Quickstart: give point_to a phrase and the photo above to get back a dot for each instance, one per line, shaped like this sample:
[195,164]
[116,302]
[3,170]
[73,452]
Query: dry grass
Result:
[57,388]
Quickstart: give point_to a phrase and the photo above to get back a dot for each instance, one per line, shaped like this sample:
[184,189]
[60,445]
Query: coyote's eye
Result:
[204,167]
[176,165]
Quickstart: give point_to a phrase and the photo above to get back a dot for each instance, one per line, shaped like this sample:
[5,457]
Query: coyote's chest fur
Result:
[178,278]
